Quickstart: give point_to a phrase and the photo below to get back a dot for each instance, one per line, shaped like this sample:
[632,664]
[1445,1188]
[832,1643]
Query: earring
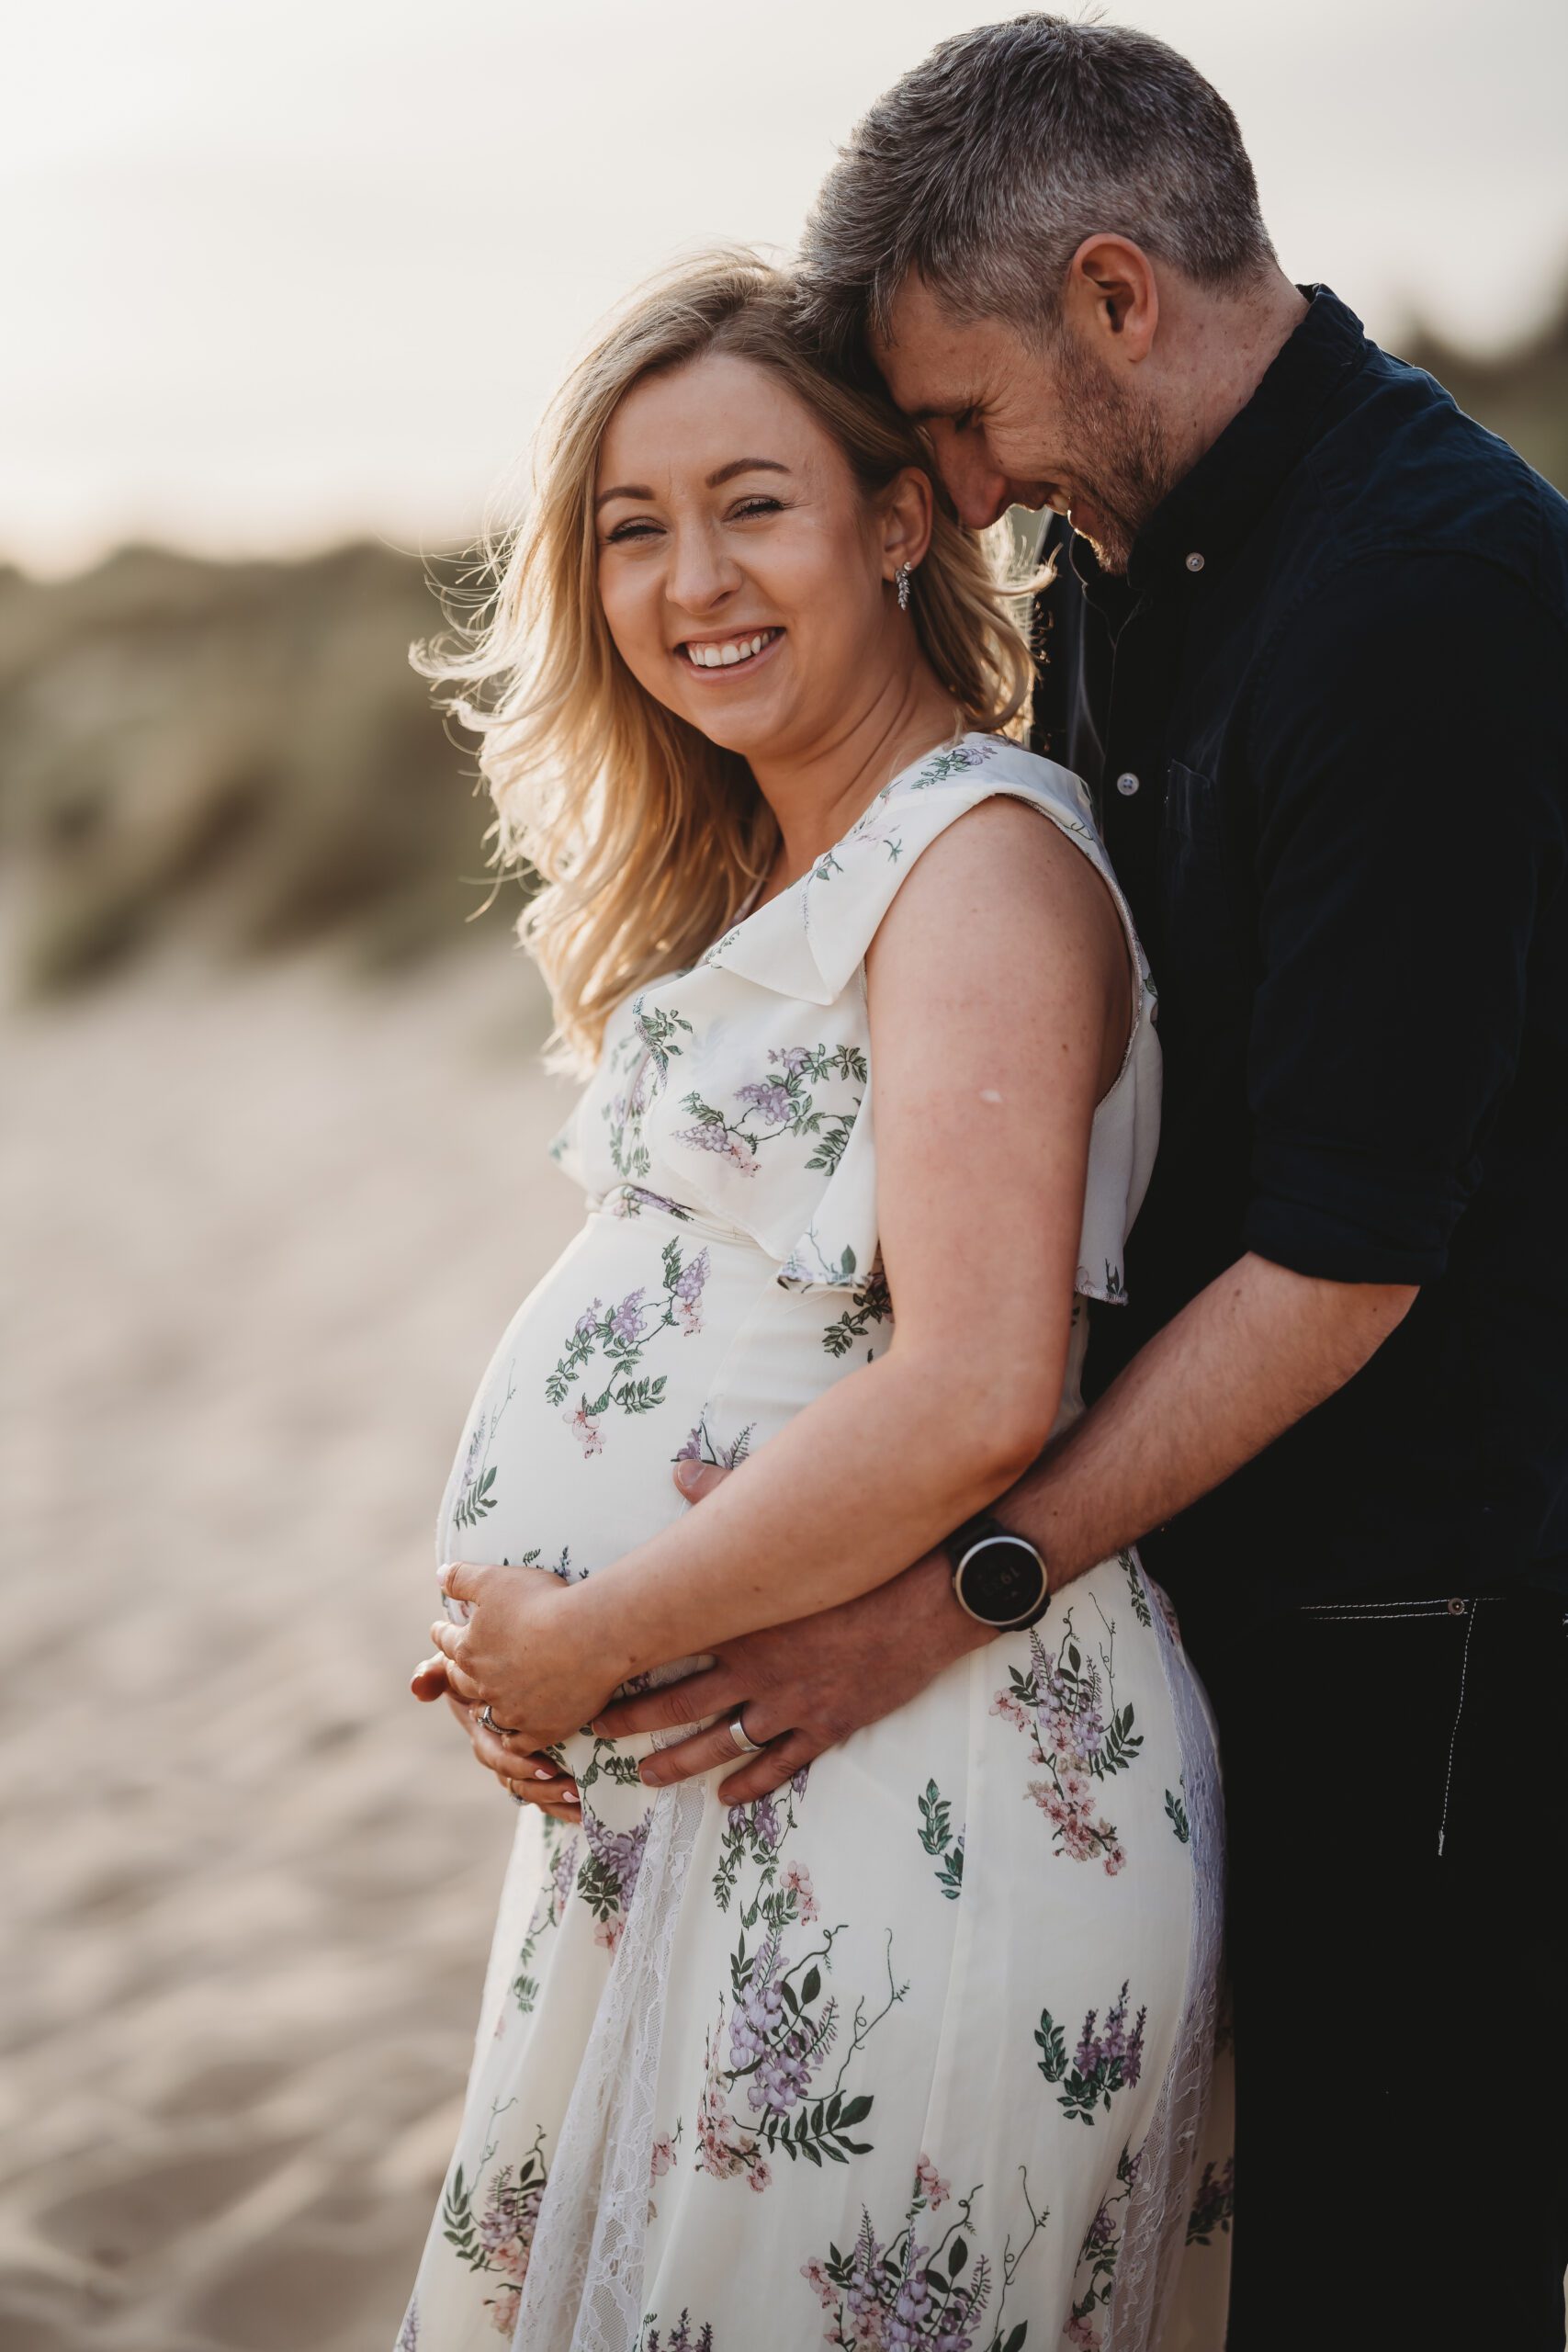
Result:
[901,582]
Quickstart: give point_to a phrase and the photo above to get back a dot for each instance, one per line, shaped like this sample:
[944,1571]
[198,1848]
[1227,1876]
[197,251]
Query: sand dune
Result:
[263,1232]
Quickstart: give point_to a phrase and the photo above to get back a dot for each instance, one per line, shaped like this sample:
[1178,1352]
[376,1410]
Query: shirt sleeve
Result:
[1410,756]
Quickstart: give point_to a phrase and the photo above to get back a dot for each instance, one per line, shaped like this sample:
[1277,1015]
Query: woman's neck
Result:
[818,795]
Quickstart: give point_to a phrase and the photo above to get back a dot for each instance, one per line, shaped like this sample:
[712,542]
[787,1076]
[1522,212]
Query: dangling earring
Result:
[901,582]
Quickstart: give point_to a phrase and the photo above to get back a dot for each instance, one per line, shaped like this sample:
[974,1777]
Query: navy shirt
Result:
[1325,718]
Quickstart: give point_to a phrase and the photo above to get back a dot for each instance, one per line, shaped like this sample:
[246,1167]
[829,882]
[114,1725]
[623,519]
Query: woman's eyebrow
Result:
[725,473]
[746,466]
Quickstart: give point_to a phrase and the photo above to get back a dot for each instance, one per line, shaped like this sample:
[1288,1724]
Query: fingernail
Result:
[571,1796]
[543,1773]
[687,1473]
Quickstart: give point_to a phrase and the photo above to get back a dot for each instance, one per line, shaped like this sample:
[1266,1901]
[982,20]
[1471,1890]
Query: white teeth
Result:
[716,657]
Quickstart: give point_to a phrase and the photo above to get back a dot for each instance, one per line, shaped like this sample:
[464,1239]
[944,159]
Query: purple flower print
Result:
[908,2296]
[586,1323]
[688,1292]
[714,1136]
[792,1059]
[618,1853]
[408,2336]
[1103,2064]
[626,1323]
[768,1097]
[679,2338]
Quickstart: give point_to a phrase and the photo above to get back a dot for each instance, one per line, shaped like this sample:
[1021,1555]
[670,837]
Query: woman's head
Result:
[702,481]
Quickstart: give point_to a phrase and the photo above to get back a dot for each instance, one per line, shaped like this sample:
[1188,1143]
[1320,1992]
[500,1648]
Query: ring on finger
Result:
[742,1737]
[488,1722]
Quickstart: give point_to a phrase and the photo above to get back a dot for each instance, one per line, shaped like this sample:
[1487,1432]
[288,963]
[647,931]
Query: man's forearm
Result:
[1245,1359]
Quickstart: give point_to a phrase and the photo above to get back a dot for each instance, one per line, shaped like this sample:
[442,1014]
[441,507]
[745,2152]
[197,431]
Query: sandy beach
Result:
[262,1232]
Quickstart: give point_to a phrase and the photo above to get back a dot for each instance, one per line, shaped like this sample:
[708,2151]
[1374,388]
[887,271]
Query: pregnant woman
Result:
[914,2053]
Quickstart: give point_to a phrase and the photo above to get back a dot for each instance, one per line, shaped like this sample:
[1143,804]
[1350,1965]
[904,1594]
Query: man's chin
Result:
[1113,549]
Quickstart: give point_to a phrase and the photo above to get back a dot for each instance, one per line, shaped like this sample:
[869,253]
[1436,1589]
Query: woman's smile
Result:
[737,650]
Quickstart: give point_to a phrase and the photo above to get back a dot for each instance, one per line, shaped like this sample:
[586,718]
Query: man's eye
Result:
[965,419]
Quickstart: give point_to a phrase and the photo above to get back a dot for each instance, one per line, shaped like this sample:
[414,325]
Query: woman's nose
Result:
[702,572]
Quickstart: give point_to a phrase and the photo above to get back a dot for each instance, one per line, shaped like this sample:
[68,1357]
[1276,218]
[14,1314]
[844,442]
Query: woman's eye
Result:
[749,506]
[965,419]
[625,531]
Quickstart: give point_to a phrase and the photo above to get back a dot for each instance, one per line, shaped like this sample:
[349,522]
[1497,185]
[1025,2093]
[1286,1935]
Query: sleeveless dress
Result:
[915,2051]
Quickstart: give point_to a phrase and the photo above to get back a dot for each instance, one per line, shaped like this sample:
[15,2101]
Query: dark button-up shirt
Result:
[1325,718]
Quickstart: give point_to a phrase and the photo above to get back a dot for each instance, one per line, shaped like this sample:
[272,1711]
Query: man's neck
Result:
[1219,353]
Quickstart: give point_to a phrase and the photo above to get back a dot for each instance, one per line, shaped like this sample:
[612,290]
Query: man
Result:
[1308,648]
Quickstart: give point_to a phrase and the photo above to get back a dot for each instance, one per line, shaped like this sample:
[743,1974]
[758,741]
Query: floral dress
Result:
[917,2051]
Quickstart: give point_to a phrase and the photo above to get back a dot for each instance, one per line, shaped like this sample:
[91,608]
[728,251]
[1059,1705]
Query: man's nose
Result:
[979,491]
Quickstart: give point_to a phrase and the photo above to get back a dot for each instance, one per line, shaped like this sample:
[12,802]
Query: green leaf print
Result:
[474,1489]
[1135,1589]
[936,1836]
[1053,2042]
[872,1303]
[1177,1814]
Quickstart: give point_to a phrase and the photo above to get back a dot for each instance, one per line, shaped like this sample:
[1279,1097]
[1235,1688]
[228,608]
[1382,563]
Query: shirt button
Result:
[1127,785]
[1194,563]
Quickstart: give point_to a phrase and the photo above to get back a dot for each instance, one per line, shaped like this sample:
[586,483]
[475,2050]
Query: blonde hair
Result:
[646,836]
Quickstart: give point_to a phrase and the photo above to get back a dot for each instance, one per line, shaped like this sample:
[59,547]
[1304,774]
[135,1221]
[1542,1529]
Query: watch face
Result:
[1004,1579]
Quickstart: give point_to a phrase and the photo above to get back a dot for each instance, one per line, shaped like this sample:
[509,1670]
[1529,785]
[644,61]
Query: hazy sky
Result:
[272,270]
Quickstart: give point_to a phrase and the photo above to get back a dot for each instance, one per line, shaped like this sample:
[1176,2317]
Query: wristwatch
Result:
[998,1577]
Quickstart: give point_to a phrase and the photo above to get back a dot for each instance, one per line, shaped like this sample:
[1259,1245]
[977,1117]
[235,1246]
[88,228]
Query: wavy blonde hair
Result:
[646,836]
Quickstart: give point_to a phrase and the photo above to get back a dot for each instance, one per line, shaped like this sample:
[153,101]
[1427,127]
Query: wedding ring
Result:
[742,1737]
[490,1723]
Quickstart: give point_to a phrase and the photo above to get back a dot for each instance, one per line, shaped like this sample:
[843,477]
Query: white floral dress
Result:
[916,2052]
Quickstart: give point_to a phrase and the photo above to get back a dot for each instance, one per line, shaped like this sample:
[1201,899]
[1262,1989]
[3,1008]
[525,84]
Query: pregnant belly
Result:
[648,1338]
[597,1384]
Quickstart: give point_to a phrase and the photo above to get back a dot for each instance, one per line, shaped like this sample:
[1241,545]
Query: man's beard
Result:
[1126,467]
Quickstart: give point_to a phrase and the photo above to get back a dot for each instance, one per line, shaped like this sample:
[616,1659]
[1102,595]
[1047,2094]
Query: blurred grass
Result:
[239,757]
[236,751]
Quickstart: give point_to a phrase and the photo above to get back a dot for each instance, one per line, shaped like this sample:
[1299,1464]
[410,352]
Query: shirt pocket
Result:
[1196,895]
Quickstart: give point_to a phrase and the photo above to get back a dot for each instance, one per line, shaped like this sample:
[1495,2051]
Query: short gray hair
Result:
[986,167]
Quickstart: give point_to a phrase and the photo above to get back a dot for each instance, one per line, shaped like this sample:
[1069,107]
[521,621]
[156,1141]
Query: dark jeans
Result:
[1397,1797]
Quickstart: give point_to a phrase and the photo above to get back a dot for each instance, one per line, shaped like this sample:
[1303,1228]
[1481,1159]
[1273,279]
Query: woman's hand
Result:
[519,1653]
[529,1779]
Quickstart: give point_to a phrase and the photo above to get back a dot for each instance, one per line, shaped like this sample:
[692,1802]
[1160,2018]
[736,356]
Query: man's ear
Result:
[1111,298]
[907,520]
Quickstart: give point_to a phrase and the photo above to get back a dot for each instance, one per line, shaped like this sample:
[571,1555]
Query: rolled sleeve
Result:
[1410,749]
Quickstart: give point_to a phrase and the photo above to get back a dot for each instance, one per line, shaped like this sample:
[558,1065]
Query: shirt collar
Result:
[1212,508]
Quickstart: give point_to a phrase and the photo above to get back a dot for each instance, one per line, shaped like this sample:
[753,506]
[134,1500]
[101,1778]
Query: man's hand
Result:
[803,1687]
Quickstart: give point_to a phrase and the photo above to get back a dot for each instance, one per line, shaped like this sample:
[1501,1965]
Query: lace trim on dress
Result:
[584,2292]
[1161,2200]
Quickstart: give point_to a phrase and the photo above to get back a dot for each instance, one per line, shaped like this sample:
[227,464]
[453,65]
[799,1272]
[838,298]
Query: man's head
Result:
[1024,236]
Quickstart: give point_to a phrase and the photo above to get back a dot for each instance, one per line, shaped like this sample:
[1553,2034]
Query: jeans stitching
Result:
[1360,1610]
[1453,1735]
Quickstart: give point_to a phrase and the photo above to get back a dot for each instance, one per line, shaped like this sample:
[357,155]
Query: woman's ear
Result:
[906,521]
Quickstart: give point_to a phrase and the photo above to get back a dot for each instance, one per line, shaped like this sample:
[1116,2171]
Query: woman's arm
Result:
[998,993]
